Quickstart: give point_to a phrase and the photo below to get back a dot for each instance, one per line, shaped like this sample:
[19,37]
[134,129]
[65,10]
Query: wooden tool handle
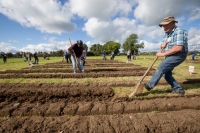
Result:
[150,66]
[70,41]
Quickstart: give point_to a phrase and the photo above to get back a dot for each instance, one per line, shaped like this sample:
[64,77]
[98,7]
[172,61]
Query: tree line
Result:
[131,43]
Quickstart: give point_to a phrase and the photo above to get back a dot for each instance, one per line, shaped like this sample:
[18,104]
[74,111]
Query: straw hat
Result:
[167,20]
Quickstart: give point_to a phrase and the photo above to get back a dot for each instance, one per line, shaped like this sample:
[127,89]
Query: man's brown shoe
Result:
[147,86]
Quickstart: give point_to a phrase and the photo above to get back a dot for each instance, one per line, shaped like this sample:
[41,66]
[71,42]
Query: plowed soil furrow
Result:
[71,105]
[87,65]
[69,70]
[77,75]
[79,100]
[193,61]
[29,86]
[170,122]
[94,106]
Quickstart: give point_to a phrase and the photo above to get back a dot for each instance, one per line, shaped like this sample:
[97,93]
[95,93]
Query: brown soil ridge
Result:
[16,86]
[77,75]
[79,100]
[169,122]
[69,70]
[87,65]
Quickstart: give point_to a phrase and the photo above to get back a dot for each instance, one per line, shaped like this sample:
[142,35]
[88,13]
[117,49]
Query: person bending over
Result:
[76,52]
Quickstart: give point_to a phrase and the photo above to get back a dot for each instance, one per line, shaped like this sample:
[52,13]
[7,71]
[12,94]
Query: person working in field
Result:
[36,58]
[175,42]
[192,55]
[104,55]
[25,57]
[129,55]
[134,54]
[112,55]
[83,57]
[67,56]
[4,57]
[30,56]
[76,52]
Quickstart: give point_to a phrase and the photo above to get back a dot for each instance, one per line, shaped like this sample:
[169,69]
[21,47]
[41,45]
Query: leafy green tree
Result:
[96,49]
[132,43]
[112,46]
[9,54]
[18,55]
[85,47]
[59,53]
[53,53]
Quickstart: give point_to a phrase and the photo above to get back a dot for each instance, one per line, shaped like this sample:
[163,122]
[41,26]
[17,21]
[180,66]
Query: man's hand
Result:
[73,53]
[163,45]
[82,58]
[159,54]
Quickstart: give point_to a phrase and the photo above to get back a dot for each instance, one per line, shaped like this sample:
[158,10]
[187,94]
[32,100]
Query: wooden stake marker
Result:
[191,69]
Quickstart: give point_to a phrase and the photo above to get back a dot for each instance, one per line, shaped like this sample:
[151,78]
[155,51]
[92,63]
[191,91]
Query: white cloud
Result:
[54,46]
[103,20]
[152,12]
[52,39]
[195,14]
[89,44]
[6,47]
[194,39]
[48,16]
[153,47]
[103,10]
[118,29]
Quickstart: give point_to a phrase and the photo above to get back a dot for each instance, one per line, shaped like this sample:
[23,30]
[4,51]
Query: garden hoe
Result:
[139,87]
[63,59]
[77,65]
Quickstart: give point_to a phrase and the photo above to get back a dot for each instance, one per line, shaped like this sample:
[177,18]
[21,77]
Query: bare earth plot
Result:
[75,107]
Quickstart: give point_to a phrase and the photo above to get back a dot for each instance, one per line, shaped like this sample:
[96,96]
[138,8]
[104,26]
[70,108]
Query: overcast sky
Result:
[47,25]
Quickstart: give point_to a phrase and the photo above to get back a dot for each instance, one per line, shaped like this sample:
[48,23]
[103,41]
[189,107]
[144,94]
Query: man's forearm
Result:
[174,50]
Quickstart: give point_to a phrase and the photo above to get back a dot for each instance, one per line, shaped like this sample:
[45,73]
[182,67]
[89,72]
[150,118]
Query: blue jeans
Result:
[104,57]
[165,70]
[79,63]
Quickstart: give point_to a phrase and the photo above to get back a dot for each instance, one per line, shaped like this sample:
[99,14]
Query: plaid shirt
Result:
[178,37]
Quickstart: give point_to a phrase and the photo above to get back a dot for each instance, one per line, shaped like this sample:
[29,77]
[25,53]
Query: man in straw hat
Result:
[175,43]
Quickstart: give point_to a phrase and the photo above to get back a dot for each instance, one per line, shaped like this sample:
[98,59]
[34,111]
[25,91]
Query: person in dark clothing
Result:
[83,57]
[67,57]
[44,56]
[36,58]
[129,55]
[76,52]
[134,54]
[4,57]
[25,56]
[30,56]
[104,55]
[112,56]
[192,55]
